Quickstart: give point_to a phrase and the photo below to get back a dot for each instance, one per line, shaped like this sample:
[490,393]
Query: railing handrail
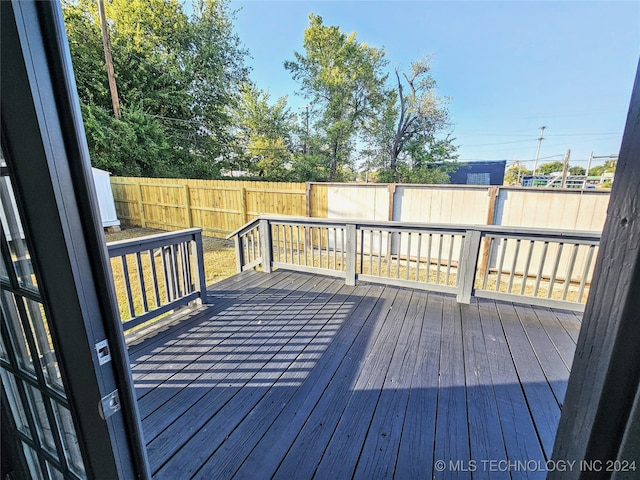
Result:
[470,263]
[163,241]
[122,247]
[446,227]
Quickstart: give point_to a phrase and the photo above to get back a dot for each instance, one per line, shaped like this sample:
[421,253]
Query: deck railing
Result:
[157,274]
[540,267]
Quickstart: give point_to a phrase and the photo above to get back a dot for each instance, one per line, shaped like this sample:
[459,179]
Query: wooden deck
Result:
[293,375]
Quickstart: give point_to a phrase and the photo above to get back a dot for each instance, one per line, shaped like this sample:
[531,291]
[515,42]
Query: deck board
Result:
[294,375]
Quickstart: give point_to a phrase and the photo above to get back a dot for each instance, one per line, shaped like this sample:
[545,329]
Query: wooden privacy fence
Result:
[218,207]
[222,206]
[536,266]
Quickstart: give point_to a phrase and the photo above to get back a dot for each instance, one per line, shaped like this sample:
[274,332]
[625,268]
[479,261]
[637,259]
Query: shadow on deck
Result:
[293,375]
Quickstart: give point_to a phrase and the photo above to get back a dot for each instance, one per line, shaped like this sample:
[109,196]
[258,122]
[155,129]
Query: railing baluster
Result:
[286,248]
[127,285]
[344,262]
[441,237]
[277,227]
[154,277]
[398,254]
[554,272]
[418,257]
[486,272]
[408,255]
[569,274]
[460,257]
[319,247]
[543,258]
[166,259]
[514,265]
[585,272]
[449,260]
[327,248]
[429,245]
[525,274]
[298,242]
[371,252]
[501,263]
[335,248]
[379,252]
[143,290]
[291,241]
[174,254]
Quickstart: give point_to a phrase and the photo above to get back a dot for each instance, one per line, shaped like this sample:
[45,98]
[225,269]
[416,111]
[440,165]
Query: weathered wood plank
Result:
[415,455]
[283,408]
[226,292]
[306,452]
[208,346]
[249,385]
[343,451]
[518,430]
[366,382]
[274,445]
[553,366]
[452,432]
[485,433]
[379,453]
[540,398]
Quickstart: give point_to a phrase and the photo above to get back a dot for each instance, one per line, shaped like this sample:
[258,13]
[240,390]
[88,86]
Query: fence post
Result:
[351,248]
[307,198]
[491,212]
[467,265]
[143,222]
[201,280]
[265,245]
[187,203]
[243,204]
[392,196]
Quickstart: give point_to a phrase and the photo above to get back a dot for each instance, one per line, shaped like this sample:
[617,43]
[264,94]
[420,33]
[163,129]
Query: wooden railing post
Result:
[265,244]
[201,280]
[467,265]
[351,249]
[239,253]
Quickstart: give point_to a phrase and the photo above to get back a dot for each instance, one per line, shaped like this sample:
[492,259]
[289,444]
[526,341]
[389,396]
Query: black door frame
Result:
[47,156]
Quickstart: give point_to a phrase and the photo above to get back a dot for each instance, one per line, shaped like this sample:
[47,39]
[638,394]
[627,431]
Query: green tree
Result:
[344,79]
[577,170]
[265,134]
[513,175]
[183,72]
[406,146]
[549,167]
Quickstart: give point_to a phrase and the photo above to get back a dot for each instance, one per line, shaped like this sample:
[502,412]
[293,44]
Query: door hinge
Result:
[109,405]
[104,354]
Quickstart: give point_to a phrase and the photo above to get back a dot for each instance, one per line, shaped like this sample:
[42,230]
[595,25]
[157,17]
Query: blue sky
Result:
[509,67]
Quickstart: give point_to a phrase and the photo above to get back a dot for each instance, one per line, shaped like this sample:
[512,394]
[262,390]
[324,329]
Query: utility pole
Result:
[107,56]
[565,169]
[535,165]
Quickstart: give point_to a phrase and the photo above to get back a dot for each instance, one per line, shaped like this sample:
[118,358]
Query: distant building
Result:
[480,173]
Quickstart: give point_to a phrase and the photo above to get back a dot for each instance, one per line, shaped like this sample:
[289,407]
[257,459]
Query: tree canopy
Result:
[178,77]
[345,81]
[189,108]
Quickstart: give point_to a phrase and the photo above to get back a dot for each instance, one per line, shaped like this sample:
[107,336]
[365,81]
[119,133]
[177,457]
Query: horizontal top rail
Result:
[123,247]
[524,232]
